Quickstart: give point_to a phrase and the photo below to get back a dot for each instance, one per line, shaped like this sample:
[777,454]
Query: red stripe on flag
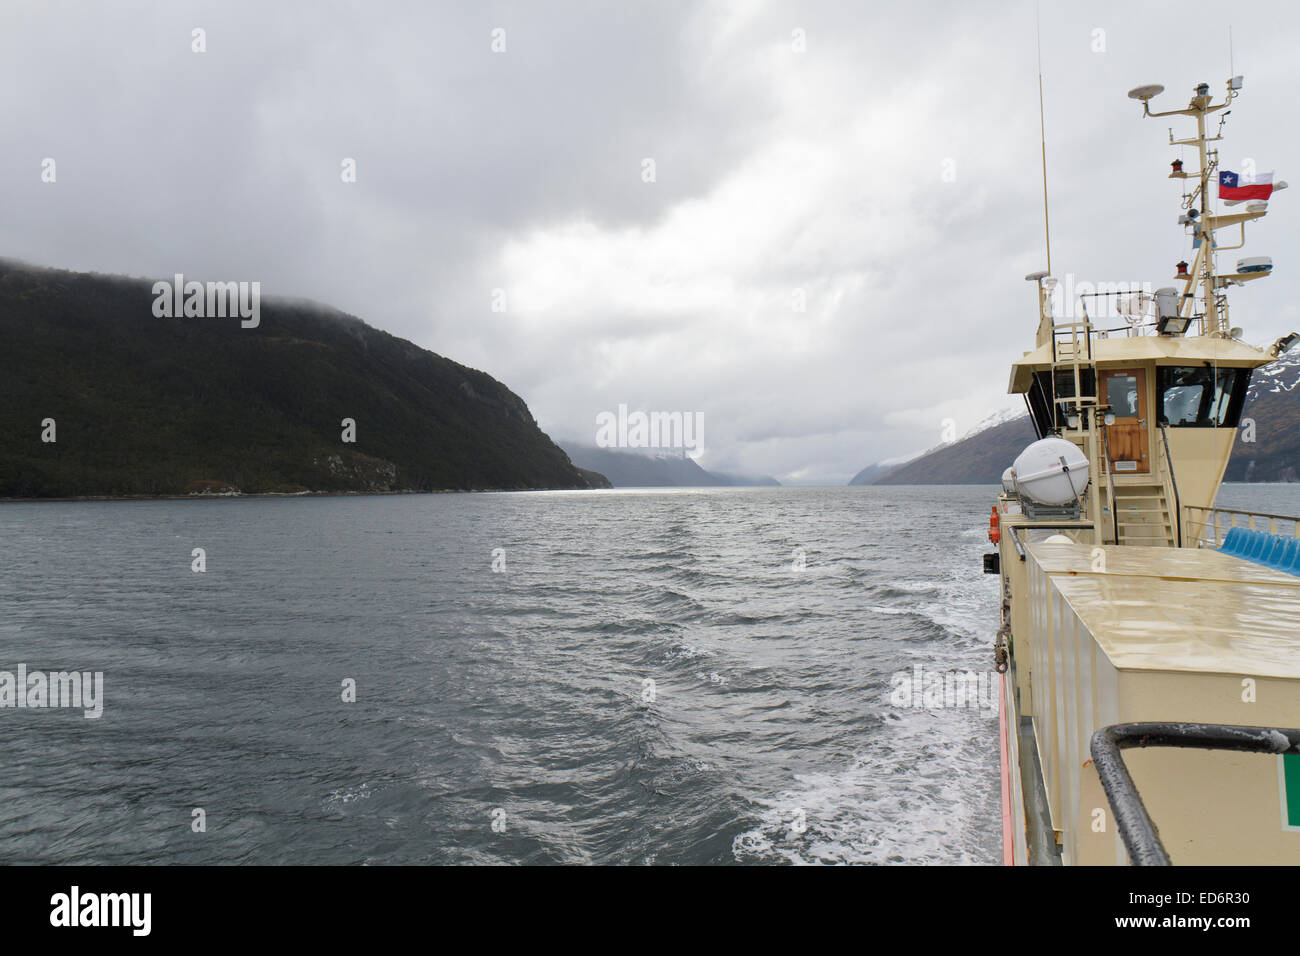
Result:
[1252,191]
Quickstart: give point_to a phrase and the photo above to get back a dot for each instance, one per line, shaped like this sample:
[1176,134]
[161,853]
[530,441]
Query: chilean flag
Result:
[1232,189]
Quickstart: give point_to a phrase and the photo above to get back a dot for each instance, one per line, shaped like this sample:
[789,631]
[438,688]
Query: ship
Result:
[1147,644]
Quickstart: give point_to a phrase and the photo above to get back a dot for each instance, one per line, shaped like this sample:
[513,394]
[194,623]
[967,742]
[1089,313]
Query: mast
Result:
[1198,215]
[1042,132]
[1211,323]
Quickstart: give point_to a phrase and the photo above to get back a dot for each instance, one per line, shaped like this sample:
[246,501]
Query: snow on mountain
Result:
[993,419]
[1282,376]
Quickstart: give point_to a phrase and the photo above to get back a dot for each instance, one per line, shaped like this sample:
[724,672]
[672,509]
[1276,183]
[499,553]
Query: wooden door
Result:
[1125,390]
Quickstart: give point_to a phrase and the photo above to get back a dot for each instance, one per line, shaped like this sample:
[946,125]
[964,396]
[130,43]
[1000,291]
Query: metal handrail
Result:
[1236,511]
[1136,828]
[1110,476]
[1213,512]
[1173,480]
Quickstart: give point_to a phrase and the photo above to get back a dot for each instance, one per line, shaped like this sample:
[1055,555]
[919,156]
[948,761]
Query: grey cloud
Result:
[226,165]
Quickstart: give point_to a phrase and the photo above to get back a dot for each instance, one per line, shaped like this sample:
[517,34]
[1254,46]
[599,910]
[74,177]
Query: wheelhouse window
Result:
[1048,399]
[1201,396]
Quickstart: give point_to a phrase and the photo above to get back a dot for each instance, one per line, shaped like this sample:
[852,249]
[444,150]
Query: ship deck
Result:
[1180,609]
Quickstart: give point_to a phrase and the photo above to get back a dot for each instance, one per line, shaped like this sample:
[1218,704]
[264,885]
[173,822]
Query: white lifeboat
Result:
[1051,471]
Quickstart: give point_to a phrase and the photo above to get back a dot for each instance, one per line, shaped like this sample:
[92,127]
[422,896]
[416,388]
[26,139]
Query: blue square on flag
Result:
[1228,179]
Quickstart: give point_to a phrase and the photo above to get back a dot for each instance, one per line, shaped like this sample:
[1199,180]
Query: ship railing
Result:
[1208,527]
[1136,828]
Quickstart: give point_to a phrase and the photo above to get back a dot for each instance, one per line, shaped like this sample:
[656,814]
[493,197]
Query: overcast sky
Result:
[889,169]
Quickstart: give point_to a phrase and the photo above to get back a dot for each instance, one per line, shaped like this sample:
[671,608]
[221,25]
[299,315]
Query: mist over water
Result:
[770,736]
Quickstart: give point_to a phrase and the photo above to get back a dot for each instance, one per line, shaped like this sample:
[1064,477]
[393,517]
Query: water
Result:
[517,697]
[1278,499]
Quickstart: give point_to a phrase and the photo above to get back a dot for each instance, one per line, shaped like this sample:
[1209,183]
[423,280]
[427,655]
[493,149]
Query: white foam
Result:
[925,794]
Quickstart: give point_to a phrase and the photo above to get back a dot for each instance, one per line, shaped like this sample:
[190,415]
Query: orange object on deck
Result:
[995,535]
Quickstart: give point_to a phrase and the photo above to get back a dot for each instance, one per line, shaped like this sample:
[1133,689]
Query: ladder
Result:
[1142,511]
[1072,353]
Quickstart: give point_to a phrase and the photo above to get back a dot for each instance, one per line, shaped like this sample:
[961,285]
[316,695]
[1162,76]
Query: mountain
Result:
[746,481]
[871,474]
[629,469]
[1272,402]
[145,405]
[978,459]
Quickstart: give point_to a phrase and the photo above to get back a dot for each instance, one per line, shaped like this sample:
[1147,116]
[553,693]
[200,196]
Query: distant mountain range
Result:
[100,396]
[1273,402]
[977,459]
[629,469]
[870,474]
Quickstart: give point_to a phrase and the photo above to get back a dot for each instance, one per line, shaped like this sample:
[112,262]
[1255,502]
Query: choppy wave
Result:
[677,678]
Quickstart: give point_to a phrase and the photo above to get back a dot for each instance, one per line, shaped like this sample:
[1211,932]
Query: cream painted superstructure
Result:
[1165,634]
[1199,455]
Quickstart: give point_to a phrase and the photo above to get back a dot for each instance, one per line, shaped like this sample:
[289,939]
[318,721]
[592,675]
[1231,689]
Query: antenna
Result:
[1042,129]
